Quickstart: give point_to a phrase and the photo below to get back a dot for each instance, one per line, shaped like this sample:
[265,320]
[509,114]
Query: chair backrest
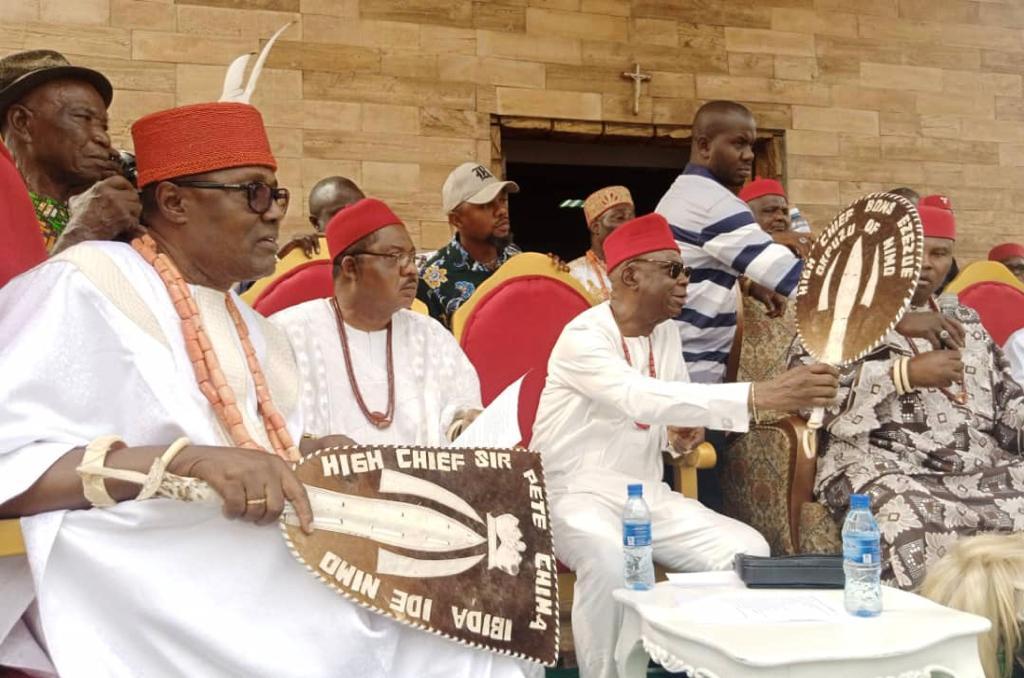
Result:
[510,324]
[294,258]
[308,281]
[1000,306]
[983,271]
[305,282]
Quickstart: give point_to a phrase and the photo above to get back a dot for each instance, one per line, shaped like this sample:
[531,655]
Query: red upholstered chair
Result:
[1000,306]
[305,282]
[511,322]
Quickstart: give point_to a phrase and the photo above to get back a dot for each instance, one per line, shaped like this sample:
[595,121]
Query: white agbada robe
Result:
[1014,350]
[92,346]
[594,279]
[592,449]
[433,377]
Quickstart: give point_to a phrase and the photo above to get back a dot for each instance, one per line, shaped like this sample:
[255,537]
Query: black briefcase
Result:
[791,572]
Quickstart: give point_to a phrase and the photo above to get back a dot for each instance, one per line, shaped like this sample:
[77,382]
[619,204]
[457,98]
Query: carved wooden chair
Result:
[767,477]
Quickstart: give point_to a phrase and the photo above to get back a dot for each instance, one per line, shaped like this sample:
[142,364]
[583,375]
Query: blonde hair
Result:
[984,575]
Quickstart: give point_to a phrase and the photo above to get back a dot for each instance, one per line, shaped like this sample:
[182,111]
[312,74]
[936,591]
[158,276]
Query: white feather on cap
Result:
[235,77]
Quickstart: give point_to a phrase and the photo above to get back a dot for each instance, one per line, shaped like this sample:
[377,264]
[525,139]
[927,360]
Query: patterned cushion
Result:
[755,485]
[755,478]
[819,532]
[766,345]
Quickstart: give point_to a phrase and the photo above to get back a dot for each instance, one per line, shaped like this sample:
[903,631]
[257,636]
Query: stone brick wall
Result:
[393,93]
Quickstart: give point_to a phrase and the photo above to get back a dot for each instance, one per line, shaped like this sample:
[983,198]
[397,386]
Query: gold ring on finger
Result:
[252,502]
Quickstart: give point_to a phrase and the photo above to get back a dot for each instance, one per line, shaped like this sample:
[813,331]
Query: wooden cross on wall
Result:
[638,79]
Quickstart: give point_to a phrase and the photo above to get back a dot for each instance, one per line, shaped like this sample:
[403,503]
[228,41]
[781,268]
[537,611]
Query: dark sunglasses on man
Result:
[261,196]
[673,268]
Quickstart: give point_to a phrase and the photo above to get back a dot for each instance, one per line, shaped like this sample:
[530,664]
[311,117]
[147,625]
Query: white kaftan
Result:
[1014,350]
[92,346]
[594,278]
[592,448]
[433,377]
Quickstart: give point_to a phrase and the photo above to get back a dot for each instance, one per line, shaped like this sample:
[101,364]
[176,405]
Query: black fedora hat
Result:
[23,71]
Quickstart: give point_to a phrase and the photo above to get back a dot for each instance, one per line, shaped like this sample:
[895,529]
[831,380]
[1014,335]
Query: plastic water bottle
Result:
[636,541]
[861,562]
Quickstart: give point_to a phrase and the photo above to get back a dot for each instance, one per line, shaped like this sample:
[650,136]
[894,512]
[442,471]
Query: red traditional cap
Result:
[761,187]
[1006,251]
[357,221]
[937,222]
[200,138]
[649,233]
[940,201]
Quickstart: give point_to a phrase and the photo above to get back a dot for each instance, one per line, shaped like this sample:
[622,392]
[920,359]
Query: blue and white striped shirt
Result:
[718,236]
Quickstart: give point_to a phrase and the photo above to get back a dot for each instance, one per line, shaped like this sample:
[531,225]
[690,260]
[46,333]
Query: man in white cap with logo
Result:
[476,203]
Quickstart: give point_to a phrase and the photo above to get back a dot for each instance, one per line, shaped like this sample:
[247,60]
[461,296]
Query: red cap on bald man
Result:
[759,188]
[1007,250]
[645,234]
[355,222]
[937,222]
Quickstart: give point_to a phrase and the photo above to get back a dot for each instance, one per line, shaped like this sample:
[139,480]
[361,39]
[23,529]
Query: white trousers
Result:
[687,536]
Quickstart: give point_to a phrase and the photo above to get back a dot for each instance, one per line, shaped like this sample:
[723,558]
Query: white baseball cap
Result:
[473,183]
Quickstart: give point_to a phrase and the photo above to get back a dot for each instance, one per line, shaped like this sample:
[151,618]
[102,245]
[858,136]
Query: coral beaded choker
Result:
[379,419]
[209,375]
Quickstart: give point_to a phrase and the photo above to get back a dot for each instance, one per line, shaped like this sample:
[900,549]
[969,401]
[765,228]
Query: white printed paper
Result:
[498,423]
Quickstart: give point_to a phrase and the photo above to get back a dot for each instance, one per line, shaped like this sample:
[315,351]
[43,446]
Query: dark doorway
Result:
[558,163]
[555,177]
[542,225]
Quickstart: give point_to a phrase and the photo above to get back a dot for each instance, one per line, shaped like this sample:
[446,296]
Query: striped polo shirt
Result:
[718,236]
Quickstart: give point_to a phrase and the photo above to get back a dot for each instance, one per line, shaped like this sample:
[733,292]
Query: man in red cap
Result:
[374,370]
[1010,255]
[767,200]
[933,435]
[616,395]
[140,357]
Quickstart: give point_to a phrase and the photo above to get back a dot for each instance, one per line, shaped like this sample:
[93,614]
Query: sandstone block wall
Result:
[393,93]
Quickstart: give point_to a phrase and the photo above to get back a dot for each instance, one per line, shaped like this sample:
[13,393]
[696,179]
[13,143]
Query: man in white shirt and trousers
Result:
[617,390]
[148,342]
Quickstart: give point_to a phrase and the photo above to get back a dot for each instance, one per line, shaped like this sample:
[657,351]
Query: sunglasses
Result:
[261,196]
[673,268]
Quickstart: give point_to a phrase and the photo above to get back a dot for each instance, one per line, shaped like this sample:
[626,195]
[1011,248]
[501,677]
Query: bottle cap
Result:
[635,490]
[860,501]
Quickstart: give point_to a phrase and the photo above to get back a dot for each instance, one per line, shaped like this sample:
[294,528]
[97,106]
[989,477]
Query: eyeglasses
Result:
[674,268]
[261,196]
[403,259]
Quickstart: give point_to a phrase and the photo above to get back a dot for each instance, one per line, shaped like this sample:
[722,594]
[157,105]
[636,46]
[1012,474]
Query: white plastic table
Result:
[913,637]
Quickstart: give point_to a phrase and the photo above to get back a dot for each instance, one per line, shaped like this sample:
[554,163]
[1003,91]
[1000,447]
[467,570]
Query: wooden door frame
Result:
[769,148]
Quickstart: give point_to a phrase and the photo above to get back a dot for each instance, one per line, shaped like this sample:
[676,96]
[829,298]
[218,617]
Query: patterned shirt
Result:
[719,237]
[53,217]
[451,275]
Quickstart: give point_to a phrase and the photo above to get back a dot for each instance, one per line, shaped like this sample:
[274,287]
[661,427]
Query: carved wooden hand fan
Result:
[858,281]
[453,541]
